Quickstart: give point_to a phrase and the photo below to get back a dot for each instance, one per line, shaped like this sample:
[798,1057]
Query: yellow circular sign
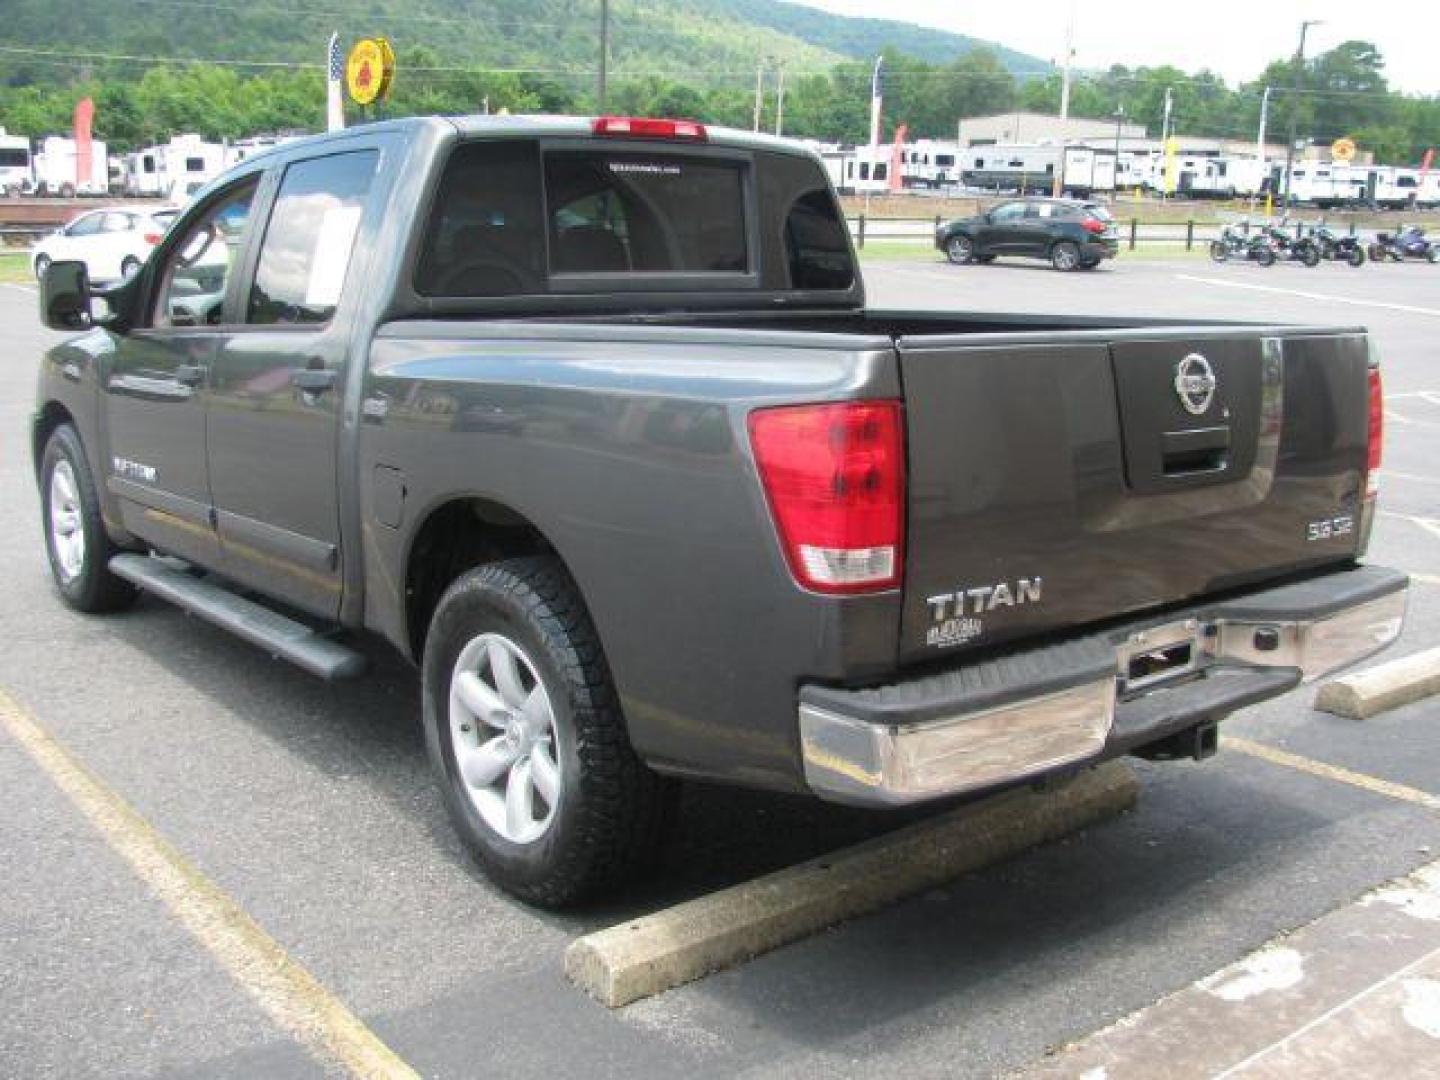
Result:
[369,70]
[1343,149]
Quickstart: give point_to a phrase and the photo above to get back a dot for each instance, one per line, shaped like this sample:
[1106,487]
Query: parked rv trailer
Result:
[57,168]
[17,173]
[1024,169]
[174,169]
[1088,170]
[930,163]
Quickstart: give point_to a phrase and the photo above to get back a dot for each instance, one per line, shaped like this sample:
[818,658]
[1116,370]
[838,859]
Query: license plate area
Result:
[1162,654]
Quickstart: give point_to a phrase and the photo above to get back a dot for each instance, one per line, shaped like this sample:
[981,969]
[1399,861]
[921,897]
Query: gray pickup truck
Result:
[590,420]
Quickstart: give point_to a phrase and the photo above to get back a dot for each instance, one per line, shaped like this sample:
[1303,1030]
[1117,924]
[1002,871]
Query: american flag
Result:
[337,62]
[334,76]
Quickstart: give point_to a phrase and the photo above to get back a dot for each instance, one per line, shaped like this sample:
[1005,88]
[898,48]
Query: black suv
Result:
[1071,233]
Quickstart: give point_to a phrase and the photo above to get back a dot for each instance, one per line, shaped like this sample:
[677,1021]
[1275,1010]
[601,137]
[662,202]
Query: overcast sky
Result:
[1236,38]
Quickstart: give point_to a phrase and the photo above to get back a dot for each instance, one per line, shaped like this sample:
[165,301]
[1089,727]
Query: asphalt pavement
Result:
[312,807]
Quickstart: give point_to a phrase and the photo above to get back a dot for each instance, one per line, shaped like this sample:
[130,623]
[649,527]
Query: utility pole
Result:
[604,53]
[1294,107]
[759,92]
[1165,147]
[780,99]
[1059,180]
[1119,116]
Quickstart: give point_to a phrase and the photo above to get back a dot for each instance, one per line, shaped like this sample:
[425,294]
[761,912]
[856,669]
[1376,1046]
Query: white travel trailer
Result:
[1088,170]
[57,168]
[1025,169]
[865,170]
[930,163]
[17,172]
[241,149]
[178,167]
[1214,176]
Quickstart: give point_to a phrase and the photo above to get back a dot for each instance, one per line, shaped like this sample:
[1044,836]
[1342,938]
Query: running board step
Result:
[282,637]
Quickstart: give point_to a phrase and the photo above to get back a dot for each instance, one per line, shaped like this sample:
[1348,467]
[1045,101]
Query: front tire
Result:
[525,732]
[75,539]
[960,250]
[1356,256]
[1218,251]
[1065,256]
[1310,256]
[1265,257]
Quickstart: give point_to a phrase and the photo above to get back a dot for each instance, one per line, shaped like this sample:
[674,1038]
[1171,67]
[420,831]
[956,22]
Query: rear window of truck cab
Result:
[510,218]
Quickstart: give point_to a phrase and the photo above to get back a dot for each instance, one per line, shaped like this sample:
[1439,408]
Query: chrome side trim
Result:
[853,761]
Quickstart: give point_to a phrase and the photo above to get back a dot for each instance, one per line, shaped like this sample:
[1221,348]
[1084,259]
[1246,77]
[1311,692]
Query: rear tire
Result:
[1065,256]
[960,250]
[1265,257]
[1310,256]
[602,807]
[1433,255]
[1356,256]
[1218,251]
[75,539]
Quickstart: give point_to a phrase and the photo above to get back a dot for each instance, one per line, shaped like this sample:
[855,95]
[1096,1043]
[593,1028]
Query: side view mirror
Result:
[68,303]
[65,296]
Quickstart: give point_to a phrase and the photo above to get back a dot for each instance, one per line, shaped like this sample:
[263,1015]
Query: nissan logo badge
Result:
[1195,384]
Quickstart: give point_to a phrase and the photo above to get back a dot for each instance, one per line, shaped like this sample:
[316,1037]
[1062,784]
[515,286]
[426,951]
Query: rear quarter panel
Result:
[627,448]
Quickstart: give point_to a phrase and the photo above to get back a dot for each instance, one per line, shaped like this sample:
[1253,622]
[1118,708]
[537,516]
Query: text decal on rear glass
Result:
[649,168]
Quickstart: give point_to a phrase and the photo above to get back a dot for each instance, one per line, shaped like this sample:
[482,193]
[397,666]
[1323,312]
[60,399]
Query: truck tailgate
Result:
[1062,479]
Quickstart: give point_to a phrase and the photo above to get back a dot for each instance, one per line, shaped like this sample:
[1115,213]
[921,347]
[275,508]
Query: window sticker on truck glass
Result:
[626,213]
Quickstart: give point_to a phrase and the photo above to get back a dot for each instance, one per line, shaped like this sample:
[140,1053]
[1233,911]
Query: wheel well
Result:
[459,536]
[51,417]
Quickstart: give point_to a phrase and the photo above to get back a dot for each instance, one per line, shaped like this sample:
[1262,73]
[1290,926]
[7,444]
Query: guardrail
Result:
[1133,232]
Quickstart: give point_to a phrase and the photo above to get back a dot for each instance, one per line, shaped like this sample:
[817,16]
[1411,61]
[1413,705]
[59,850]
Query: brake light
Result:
[1093,225]
[834,476]
[638,127]
[153,238]
[1377,435]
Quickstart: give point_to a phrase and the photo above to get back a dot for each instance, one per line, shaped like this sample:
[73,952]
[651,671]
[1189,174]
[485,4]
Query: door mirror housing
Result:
[67,301]
[65,296]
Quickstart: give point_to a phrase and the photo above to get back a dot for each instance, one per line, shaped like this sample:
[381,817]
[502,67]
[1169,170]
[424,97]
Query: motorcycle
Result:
[1302,250]
[1235,244]
[1410,242]
[1338,248]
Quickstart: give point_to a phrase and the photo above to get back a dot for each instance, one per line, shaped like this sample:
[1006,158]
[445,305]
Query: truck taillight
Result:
[641,127]
[153,238]
[1377,435]
[1093,225]
[834,476]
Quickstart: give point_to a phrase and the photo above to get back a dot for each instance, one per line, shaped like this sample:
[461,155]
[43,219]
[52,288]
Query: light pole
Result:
[604,54]
[1295,104]
[1119,116]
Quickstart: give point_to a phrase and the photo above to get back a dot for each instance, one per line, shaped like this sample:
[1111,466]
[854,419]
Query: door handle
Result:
[314,380]
[189,374]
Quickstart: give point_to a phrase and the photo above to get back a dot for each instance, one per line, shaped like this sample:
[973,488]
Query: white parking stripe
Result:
[1391,474]
[1430,525]
[1431,396]
[1323,297]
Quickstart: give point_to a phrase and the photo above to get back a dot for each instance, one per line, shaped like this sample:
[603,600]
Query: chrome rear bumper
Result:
[1035,712]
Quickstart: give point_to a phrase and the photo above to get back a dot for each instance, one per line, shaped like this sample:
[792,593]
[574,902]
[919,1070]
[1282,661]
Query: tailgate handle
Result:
[1198,450]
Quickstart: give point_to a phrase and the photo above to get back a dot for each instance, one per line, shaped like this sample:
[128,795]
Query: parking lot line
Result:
[289,994]
[1430,525]
[1327,298]
[1373,784]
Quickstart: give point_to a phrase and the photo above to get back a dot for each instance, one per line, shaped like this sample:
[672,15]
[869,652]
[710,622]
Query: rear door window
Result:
[309,239]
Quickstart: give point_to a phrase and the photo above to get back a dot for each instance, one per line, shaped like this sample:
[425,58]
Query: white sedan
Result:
[112,243]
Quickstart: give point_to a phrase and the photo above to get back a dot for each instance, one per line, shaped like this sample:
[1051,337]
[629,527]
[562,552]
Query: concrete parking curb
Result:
[643,957]
[1387,686]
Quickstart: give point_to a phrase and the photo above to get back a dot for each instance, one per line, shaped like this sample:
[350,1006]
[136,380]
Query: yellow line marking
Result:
[291,996]
[1332,772]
